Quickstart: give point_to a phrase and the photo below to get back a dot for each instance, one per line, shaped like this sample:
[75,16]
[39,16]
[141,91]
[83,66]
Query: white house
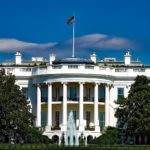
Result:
[88,87]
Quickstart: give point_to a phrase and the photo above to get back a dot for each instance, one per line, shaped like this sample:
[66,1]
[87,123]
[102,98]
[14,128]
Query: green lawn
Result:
[55,147]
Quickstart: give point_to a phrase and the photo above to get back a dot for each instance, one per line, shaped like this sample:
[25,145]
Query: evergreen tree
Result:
[15,117]
[133,112]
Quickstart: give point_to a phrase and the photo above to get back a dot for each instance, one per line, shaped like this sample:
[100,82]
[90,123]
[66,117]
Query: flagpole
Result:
[73,40]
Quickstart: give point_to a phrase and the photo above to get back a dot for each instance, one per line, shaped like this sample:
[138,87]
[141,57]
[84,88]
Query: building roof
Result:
[73,60]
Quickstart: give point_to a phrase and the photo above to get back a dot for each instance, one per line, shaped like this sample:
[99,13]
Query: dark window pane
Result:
[101,94]
[43,119]
[120,92]
[73,92]
[44,94]
[102,120]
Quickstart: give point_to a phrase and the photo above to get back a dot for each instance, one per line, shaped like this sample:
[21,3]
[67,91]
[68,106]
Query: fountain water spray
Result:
[71,136]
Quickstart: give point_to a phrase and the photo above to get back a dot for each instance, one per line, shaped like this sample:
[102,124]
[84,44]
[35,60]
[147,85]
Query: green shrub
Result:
[110,136]
[35,136]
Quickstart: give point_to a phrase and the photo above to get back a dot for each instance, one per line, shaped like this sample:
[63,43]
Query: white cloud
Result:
[102,41]
[82,43]
[8,45]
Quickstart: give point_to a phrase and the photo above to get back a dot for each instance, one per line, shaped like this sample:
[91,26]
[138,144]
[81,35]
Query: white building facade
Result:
[88,88]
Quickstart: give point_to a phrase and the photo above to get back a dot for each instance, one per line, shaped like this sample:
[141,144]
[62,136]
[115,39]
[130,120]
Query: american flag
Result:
[71,20]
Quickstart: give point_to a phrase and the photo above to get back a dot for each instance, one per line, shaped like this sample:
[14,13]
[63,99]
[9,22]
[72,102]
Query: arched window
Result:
[89,139]
[55,139]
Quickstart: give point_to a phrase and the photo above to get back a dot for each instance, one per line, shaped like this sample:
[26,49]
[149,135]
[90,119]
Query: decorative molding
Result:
[103,84]
[64,82]
[128,86]
[81,82]
[38,85]
[97,83]
[49,83]
[111,86]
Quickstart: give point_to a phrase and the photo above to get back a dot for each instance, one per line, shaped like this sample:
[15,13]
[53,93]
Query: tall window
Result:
[120,92]
[43,118]
[25,91]
[57,118]
[57,93]
[101,94]
[88,92]
[73,93]
[88,118]
[102,120]
[44,93]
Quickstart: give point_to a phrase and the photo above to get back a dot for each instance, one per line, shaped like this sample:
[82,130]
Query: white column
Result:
[112,98]
[106,105]
[126,91]
[81,121]
[38,121]
[64,108]
[49,111]
[96,111]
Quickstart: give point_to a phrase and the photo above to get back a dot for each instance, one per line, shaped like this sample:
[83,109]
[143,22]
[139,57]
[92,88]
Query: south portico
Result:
[80,103]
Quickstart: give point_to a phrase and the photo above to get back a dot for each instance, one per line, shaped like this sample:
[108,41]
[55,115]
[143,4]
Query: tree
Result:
[133,112]
[15,117]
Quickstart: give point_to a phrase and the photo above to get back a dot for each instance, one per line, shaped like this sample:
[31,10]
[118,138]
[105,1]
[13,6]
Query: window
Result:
[120,92]
[88,90]
[57,118]
[102,120]
[88,118]
[44,94]
[88,96]
[57,93]
[43,118]
[25,91]
[73,93]
[101,94]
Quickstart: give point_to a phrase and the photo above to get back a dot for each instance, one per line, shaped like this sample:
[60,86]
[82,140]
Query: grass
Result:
[56,147]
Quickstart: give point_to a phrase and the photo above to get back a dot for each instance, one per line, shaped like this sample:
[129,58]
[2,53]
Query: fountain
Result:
[71,134]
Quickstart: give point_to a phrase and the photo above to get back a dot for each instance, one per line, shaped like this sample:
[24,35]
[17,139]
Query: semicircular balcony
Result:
[88,69]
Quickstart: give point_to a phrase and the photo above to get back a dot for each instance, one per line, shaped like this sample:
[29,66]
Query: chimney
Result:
[52,57]
[93,57]
[18,58]
[127,58]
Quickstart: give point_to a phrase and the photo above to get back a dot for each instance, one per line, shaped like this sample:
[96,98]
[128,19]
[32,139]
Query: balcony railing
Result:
[73,98]
[44,99]
[102,99]
[88,99]
[55,128]
[57,67]
[72,66]
[139,70]
[121,70]
[89,128]
[57,99]
[89,69]
[60,99]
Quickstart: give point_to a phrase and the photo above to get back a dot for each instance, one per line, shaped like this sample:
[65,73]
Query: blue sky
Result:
[106,27]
